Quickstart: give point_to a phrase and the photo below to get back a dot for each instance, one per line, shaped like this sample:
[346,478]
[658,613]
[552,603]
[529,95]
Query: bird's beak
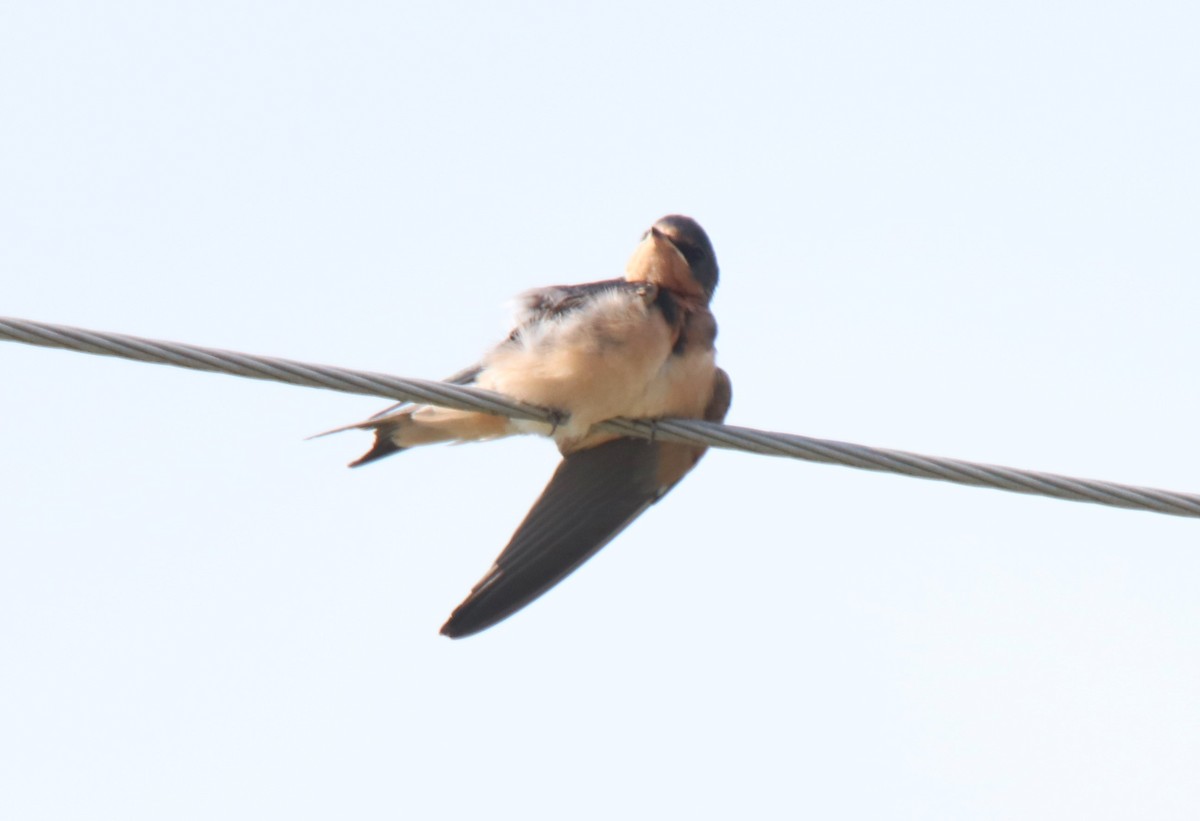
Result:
[657,260]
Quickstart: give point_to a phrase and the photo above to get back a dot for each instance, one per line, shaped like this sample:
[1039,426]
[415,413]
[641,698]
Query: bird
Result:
[640,347]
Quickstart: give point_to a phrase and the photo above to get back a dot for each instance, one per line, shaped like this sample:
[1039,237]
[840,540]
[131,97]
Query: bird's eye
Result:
[691,253]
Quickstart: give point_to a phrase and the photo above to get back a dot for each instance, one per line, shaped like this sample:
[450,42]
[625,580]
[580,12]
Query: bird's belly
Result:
[594,365]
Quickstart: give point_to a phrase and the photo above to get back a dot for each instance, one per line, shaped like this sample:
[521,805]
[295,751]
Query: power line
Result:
[687,431]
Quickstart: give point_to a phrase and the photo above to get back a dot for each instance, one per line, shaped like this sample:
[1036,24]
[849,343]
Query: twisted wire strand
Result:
[687,431]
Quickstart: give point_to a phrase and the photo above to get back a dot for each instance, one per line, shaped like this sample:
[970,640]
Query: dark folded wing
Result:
[593,495]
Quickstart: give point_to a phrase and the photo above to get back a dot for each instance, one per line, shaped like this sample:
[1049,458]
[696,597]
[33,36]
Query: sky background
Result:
[960,229]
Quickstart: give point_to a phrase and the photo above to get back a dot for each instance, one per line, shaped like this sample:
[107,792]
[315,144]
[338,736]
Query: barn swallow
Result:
[639,347]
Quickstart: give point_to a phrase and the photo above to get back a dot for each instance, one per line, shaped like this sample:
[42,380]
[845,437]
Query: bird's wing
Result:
[593,495]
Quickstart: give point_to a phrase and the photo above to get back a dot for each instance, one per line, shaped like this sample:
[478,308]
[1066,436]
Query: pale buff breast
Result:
[681,387]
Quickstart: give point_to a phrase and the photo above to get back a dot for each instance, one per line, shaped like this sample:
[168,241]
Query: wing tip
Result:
[460,624]
[452,631]
[476,613]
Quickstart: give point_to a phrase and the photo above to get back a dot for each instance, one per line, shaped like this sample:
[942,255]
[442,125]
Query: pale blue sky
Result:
[960,229]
